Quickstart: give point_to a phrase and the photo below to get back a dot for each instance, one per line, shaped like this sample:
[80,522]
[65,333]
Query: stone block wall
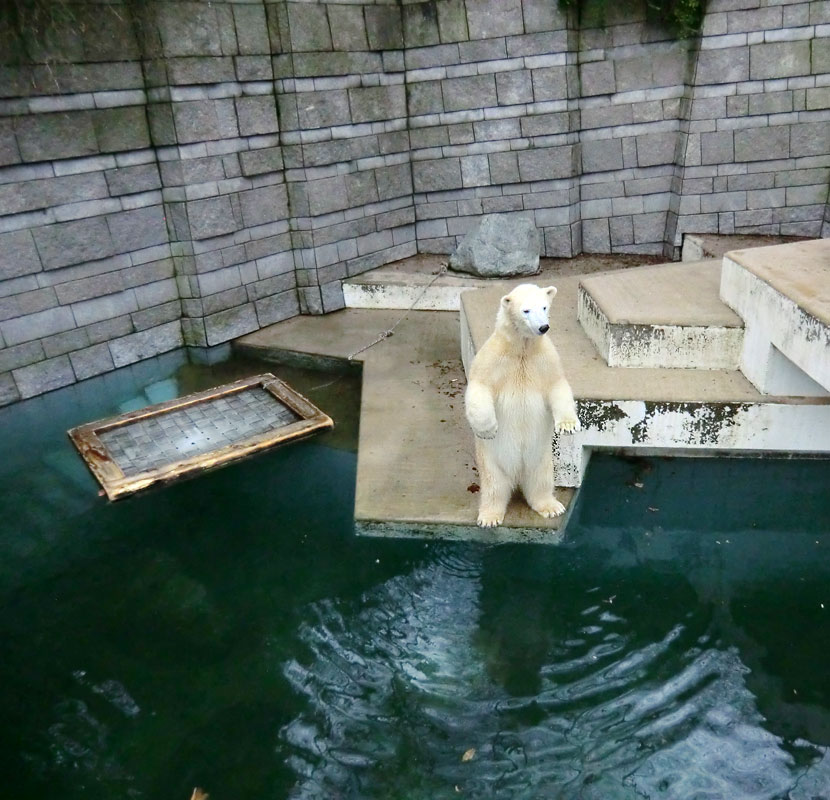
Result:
[494,123]
[87,279]
[183,172]
[756,130]
[212,111]
[343,117]
[619,138]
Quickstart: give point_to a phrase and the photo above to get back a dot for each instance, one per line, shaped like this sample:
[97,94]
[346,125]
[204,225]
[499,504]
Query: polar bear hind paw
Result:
[567,425]
[489,519]
[549,508]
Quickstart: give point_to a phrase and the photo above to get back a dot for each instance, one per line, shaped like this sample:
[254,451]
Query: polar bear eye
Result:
[525,311]
[544,308]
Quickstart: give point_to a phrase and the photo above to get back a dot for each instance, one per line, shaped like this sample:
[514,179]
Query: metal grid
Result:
[194,430]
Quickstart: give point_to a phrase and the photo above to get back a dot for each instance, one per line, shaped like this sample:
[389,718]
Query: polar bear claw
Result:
[567,425]
[490,519]
[487,432]
[549,508]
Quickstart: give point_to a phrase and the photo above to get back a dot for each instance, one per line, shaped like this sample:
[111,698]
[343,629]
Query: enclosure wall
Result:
[186,172]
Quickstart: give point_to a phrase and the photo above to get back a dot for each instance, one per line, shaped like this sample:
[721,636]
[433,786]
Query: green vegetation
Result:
[682,17]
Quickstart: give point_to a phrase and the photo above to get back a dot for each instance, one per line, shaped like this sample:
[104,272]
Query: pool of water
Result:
[231,632]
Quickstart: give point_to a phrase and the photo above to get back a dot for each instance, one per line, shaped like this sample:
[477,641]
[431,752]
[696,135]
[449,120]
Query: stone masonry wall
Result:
[86,275]
[756,132]
[180,172]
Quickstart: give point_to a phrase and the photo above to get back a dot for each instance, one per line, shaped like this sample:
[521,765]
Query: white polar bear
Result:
[516,395]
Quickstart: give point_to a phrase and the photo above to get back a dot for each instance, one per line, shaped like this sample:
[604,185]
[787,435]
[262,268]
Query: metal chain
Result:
[387,333]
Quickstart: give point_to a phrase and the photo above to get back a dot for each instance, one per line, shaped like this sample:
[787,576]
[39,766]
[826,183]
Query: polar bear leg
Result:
[537,486]
[481,410]
[496,488]
[563,407]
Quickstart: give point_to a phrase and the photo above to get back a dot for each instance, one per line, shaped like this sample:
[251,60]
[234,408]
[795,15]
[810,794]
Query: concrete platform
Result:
[783,294]
[664,316]
[416,471]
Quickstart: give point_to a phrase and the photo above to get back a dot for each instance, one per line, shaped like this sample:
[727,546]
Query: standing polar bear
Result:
[516,396]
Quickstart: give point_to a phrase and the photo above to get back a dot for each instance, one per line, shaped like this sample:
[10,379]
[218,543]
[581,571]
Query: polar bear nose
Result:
[544,328]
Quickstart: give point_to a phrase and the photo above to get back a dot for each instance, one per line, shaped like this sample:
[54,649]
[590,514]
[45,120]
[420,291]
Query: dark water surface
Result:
[231,632]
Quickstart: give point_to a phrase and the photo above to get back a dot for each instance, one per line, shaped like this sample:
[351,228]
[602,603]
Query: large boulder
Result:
[503,245]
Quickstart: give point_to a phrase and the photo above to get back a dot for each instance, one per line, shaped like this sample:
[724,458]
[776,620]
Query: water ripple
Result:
[402,697]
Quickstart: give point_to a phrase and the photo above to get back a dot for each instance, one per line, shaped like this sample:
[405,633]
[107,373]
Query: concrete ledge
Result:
[511,532]
[668,316]
[420,280]
[783,294]
[412,283]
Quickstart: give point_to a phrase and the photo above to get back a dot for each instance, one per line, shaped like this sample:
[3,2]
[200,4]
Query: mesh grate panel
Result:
[195,430]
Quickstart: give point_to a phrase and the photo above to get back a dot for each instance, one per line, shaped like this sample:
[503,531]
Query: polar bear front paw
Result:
[488,518]
[549,508]
[567,425]
[487,430]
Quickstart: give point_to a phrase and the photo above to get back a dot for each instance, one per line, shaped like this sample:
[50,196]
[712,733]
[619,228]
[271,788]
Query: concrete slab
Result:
[680,294]
[416,471]
[423,283]
[800,271]
[668,316]
[783,294]
[670,411]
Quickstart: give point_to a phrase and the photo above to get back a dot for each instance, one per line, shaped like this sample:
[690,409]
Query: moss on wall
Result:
[682,17]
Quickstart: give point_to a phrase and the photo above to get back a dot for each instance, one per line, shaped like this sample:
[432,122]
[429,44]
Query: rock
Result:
[502,245]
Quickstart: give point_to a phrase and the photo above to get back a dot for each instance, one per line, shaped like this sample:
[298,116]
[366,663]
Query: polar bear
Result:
[516,396]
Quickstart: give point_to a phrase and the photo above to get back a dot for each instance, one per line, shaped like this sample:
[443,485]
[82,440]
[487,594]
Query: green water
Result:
[231,632]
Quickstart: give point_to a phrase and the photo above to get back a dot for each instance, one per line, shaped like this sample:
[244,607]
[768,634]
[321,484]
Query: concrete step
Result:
[650,410]
[783,294]
[421,283]
[665,316]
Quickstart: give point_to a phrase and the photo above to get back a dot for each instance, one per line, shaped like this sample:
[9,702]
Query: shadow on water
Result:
[231,631]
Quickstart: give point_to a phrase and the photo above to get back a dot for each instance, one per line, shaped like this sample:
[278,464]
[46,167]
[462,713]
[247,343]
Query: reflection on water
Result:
[588,683]
[231,632]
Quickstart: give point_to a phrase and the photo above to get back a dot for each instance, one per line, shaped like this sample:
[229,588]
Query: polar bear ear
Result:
[550,291]
[505,301]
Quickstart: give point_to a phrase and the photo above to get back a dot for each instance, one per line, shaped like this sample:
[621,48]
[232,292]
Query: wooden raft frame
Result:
[117,485]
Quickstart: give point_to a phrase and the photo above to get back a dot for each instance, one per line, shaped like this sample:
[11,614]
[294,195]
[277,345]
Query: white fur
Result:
[517,395]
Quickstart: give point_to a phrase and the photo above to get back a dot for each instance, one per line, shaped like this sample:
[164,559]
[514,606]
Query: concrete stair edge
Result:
[659,342]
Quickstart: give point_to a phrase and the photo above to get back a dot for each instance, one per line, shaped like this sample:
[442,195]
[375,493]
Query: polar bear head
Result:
[525,309]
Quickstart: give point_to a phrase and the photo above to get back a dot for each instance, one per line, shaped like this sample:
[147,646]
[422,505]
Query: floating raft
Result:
[182,437]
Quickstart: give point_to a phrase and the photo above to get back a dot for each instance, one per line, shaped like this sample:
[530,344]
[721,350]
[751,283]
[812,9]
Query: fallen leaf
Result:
[198,794]
[638,485]
[473,488]
[469,755]
[653,508]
